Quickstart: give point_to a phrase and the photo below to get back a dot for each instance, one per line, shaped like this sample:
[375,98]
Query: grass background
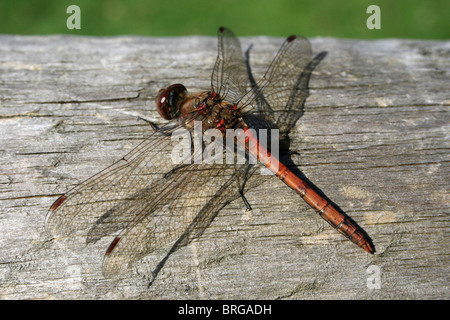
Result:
[417,19]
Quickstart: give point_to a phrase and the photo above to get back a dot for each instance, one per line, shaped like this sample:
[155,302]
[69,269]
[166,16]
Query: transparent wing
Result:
[282,91]
[229,77]
[183,208]
[84,204]
[148,200]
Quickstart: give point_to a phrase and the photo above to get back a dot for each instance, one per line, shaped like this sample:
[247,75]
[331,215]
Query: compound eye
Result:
[161,103]
[168,101]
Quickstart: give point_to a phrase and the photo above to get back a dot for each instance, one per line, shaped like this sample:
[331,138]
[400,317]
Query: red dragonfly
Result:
[151,203]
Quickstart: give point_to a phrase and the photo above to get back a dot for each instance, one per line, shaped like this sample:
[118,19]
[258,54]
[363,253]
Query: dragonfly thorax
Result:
[217,113]
[174,102]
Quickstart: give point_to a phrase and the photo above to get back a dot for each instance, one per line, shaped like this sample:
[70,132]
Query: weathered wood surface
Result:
[374,138]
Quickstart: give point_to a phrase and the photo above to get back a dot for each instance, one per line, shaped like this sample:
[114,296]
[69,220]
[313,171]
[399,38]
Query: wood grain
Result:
[374,138]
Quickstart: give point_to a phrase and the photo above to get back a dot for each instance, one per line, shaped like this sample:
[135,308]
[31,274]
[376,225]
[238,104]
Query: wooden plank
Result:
[374,138]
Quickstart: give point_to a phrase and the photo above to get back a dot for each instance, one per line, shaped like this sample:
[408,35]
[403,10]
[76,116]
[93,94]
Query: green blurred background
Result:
[336,18]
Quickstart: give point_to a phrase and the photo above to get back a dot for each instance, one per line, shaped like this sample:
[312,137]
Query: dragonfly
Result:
[146,202]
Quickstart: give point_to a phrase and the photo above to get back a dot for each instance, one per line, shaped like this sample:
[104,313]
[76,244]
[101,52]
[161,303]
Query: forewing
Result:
[83,205]
[280,94]
[229,77]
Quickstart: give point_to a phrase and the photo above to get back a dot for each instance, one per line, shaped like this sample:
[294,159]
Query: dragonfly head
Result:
[170,100]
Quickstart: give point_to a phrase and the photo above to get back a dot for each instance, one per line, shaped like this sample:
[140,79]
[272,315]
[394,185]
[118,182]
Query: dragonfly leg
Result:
[155,127]
[241,187]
